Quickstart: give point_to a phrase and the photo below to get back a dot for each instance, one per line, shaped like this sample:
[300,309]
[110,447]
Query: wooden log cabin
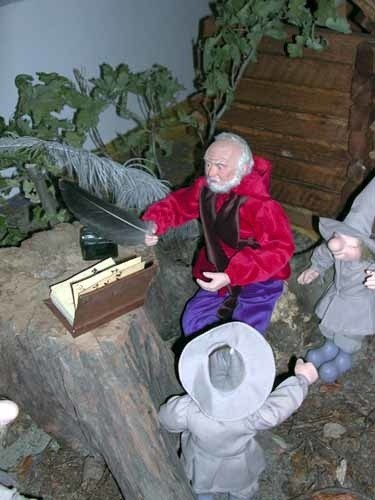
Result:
[311,117]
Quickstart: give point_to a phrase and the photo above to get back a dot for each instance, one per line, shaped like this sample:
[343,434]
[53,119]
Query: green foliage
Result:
[12,232]
[42,103]
[241,25]
[155,92]
[54,108]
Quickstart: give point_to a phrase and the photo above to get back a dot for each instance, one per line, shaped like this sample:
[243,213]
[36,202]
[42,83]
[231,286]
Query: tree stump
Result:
[100,392]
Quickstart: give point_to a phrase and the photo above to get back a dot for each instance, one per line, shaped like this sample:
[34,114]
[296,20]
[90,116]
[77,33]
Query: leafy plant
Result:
[39,163]
[55,108]
[54,116]
[240,26]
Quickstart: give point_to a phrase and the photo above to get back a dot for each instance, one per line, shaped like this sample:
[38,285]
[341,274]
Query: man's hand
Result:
[308,370]
[370,279]
[307,276]
[218,280]
[151,238]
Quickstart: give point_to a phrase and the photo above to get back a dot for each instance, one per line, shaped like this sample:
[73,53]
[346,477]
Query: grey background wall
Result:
[55,36]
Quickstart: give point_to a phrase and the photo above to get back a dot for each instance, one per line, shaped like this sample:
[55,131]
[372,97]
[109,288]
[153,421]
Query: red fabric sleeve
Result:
[272,231]
[176,208]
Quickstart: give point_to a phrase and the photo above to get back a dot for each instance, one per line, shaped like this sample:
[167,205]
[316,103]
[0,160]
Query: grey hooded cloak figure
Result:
[347,308]
[228,374]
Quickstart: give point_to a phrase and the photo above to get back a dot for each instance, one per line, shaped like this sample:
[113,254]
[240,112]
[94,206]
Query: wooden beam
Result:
[305,72]
[293,98]
[321,202]
[320,177]
[294,148]
[328,129]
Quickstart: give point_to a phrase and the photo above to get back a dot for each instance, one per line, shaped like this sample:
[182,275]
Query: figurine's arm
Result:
[175,209]
[286,398]
[173,414]
[321,260]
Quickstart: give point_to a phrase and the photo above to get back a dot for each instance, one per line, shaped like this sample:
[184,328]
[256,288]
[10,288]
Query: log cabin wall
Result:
[311,117]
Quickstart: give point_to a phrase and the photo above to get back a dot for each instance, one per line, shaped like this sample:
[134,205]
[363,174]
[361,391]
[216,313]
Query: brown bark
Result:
[99,392]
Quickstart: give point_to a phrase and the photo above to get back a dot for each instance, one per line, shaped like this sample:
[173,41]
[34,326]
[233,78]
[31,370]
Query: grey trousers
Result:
[347,343]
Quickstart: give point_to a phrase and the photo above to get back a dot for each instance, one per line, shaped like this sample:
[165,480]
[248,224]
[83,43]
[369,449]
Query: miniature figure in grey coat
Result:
[347,308]
[228,374]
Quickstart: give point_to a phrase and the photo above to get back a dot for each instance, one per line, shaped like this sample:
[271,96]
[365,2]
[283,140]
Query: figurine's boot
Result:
[332,370]
[205,496]
[326,352]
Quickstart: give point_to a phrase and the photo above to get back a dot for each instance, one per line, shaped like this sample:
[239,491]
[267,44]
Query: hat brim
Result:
[257,382]
[328,227]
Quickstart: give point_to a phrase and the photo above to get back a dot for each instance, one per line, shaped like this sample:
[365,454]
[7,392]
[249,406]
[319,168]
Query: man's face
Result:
[344,247]
[222,166]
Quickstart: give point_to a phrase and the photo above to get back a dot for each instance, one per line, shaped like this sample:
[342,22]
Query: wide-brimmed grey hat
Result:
[228,371]
[359,222]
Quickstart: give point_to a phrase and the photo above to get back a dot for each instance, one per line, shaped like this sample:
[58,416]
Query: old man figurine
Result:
[248,240]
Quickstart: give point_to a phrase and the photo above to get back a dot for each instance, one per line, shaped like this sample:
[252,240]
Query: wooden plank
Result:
[293,98]
[332,130]
[362,111]
[295,148]
[321,202]
[304,72]
[331,179]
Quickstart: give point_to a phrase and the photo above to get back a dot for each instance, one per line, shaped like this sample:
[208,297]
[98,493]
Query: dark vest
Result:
[222,227]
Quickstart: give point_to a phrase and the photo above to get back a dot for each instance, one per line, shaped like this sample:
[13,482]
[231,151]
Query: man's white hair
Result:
[246,158]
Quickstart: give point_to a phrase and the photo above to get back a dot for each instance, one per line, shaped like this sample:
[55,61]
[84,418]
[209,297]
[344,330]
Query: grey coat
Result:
[224,456]
[348,307]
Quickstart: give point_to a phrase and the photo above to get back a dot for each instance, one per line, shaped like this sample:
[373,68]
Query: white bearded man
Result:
[248,240]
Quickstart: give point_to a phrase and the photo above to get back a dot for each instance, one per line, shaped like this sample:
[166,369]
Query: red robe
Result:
[260,217]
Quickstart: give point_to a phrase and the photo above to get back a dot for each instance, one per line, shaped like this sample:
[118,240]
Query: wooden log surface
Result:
[294,147]
[99,392]
[326,203]
[330,179]
[292,97]
[327,129]
[314,73]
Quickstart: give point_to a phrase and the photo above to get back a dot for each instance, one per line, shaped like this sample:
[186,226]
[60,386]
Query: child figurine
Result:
[228,374]
[347,309]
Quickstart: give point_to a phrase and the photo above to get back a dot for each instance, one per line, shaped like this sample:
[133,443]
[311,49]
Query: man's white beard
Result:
[224,187]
